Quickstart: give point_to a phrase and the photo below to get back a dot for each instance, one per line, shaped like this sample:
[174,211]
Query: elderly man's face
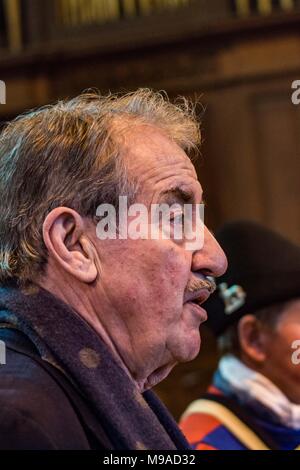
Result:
[143,282]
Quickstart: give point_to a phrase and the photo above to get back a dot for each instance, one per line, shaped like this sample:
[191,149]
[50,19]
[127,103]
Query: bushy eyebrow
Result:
[179,195]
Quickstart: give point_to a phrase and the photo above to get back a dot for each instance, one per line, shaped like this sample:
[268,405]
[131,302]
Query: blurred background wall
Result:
[240,57]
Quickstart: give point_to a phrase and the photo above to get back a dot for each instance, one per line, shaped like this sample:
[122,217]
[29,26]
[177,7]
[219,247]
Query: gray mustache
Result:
[197,284]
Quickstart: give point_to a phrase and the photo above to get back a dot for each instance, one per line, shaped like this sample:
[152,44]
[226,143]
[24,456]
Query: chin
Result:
[190,348]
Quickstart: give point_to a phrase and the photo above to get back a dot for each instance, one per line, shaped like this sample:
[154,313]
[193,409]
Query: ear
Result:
[63,234]
[252,339]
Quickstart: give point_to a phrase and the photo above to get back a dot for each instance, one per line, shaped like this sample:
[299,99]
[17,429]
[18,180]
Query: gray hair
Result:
[68,154]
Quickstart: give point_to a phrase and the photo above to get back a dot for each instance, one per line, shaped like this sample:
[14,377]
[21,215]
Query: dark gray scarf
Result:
[131,419]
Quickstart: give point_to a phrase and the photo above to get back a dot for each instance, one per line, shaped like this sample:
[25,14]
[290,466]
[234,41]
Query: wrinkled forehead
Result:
[152,157]
[154,143]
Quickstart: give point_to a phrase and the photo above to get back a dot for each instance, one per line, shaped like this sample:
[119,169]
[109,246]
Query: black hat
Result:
[263,269]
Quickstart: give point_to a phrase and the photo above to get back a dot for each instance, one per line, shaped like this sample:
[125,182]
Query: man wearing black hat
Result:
[254,400]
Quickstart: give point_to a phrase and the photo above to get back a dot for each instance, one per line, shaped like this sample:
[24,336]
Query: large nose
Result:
[210,259]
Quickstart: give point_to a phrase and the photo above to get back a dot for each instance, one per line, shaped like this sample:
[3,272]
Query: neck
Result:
[79,299]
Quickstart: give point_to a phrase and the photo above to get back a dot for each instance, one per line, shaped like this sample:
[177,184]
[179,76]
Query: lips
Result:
[195,300]
[199,312]
[197,297]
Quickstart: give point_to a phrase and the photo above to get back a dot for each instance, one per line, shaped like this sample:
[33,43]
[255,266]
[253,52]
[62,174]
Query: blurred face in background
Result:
[274,350]
[283,360]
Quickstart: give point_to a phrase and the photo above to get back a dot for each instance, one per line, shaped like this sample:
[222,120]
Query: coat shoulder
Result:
[35,413]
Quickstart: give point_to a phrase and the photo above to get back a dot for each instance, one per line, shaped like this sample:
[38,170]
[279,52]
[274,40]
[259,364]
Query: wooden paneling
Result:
[277,137]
